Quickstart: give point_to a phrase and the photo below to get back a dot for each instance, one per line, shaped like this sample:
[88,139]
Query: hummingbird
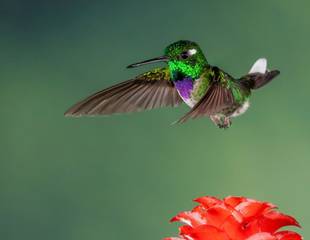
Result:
[187,78]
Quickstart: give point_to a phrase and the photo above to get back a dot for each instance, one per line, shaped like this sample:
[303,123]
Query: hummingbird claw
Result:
[221,121]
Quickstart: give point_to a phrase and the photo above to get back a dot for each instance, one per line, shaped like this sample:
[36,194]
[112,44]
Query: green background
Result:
[123,177]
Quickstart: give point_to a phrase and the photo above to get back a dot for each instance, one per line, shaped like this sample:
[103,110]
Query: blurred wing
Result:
[150,90]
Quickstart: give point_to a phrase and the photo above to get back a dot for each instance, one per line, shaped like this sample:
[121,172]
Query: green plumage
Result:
[192,67]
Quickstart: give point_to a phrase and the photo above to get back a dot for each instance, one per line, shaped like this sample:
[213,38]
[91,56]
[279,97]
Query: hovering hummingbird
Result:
[189,78]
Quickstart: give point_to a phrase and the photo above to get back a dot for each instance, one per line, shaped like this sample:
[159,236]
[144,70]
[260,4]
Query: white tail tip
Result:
[260,66]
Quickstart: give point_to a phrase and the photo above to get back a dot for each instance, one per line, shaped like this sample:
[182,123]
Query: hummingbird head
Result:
[184,58]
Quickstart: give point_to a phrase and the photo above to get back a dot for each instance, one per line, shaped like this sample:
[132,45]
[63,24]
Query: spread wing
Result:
[222,93]
[216,99]
[150,90]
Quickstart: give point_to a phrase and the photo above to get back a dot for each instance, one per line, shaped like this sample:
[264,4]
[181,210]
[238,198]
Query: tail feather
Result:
[258,76]
[260,66]
[262,80]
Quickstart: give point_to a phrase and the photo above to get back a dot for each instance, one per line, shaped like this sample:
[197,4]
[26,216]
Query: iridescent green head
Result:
[184,58]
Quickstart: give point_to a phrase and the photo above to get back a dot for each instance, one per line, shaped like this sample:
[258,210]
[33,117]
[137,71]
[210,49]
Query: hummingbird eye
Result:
[184,55]
[187,54]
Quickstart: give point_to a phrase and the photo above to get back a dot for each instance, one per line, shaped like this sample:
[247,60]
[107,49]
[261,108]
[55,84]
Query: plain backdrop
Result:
[124,177]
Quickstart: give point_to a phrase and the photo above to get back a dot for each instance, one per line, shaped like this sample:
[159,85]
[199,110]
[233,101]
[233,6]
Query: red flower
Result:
[234,218]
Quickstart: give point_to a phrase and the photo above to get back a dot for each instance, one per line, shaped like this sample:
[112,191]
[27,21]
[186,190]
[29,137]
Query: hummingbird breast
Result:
[185,88]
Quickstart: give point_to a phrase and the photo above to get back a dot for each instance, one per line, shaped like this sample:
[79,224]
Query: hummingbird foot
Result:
[221,121]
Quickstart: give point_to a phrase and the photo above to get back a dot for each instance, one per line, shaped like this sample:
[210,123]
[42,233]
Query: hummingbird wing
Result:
[214,101]
[150,90]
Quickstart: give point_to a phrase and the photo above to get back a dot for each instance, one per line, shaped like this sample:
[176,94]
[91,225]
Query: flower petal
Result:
[288,235]
[251,209]
[217,215]
[185,230]
[262,236]
[233,228]
[207,201]
[189,217]
[206,232]
[274,220]
[233,201]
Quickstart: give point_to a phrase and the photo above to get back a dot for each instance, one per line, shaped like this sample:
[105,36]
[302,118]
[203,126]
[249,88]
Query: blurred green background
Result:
[123,177]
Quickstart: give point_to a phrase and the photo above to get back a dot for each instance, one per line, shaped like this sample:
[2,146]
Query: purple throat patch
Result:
[184,87]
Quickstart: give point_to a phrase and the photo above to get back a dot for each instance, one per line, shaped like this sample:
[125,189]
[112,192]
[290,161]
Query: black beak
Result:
[153,60]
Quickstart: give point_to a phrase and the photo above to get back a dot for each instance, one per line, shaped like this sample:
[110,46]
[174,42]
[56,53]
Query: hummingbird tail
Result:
[260,66]
[259,75]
